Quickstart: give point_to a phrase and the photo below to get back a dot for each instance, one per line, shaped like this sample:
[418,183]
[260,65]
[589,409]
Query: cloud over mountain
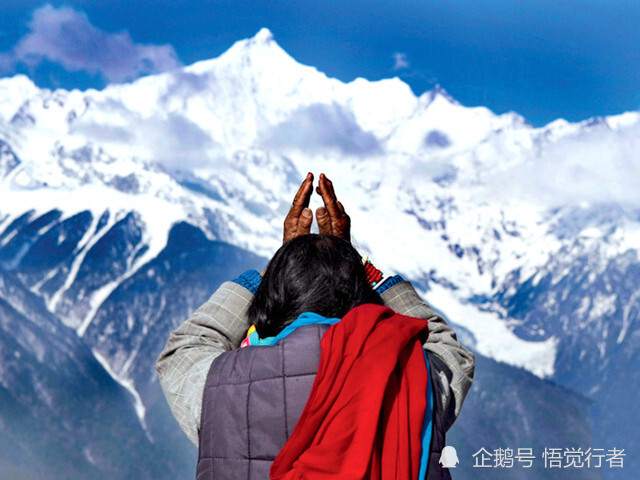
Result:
[318,126]
[597,165]
[66,37]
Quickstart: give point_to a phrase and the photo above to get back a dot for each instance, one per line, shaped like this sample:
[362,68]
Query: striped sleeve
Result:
[216,327]
[452,362]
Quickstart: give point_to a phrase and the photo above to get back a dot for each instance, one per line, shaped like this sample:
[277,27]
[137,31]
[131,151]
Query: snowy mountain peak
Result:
[13,92]
[18,83]
[264,36]
[439,92]
[259,51]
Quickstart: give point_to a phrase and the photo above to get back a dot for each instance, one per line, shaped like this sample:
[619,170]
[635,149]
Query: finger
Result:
[304,222]
[290,228]
[329,184]
[324,221]
[342,228]
[308,191]
[301,200]
[294,223]
[328,196]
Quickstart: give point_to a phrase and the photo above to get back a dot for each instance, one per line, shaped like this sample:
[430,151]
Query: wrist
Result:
[389,282]
[250,280]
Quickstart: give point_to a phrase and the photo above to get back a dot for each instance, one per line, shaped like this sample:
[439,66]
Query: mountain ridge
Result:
[493,220]
[78,164]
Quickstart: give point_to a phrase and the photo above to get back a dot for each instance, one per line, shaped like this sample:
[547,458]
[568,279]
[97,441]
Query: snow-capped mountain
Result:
[122,209]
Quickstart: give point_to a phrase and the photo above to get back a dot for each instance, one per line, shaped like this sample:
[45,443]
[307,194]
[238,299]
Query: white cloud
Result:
[319,126]
[66,37]
[172,140]
[400,61]
[594,166]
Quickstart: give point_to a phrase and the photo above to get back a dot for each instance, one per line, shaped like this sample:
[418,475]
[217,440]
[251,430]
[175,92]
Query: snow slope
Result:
[443,193]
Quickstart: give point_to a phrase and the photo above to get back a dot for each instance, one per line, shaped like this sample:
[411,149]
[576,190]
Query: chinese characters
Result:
[552,458]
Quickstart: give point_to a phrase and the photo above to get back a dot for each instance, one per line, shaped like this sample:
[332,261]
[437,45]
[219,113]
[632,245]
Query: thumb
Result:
[304,222]
[324,221]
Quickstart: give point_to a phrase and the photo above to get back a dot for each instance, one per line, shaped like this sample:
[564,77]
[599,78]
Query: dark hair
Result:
[310,273]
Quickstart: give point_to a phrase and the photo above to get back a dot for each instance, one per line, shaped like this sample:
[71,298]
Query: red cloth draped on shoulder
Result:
[363,419]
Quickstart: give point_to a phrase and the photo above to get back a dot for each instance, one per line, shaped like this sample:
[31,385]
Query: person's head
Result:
[310,273]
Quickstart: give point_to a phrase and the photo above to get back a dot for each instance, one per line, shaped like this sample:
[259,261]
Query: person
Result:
[244,407]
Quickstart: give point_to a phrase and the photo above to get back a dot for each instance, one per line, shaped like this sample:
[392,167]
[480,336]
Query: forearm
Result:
[453,365]
[216,327]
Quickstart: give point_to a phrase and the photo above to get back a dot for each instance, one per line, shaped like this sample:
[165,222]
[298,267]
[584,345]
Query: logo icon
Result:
[449,457]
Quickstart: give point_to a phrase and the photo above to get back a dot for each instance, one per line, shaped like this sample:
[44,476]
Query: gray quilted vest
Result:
[253,399]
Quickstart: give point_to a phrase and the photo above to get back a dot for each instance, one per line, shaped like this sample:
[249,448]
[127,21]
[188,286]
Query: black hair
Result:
[311,273]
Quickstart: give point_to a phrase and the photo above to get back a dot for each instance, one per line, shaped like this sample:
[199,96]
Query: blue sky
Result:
[543,59]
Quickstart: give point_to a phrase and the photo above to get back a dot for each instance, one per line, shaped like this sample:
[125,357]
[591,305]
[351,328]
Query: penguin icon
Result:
[449,457]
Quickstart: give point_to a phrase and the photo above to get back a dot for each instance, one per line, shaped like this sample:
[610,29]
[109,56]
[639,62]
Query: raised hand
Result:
[298,220]
[332,218]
